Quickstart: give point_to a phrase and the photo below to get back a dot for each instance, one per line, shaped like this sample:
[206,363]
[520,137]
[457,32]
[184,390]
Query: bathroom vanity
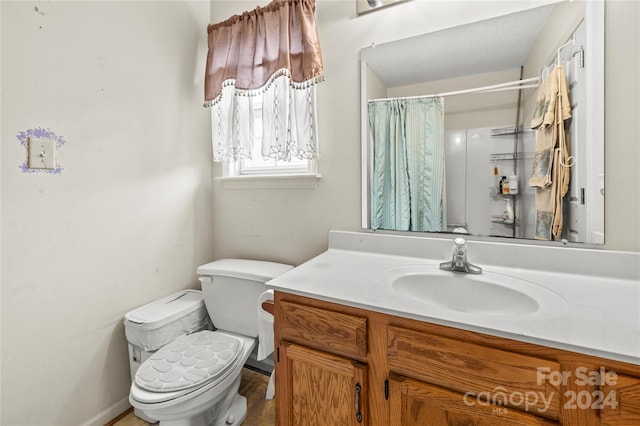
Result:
[355,347]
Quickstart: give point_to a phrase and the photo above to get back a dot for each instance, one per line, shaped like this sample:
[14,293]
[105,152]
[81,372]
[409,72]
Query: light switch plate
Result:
[41,153]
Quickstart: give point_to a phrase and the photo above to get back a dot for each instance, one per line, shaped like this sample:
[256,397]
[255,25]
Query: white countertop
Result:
[601,316]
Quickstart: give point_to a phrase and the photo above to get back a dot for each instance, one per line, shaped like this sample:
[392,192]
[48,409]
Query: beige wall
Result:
[129,217]
[292,226]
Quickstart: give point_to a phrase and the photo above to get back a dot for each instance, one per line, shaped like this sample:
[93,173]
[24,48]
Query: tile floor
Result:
[260,412]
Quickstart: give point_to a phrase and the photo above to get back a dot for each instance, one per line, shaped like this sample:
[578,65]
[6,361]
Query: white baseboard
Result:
[110,413]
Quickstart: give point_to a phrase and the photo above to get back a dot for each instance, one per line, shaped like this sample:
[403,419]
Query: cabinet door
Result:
[416,403]
[315,388]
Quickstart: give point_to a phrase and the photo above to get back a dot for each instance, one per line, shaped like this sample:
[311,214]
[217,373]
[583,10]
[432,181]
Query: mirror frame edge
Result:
[365,160]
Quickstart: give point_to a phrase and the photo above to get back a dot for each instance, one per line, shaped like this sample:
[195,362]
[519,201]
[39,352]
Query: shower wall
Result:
[473,157]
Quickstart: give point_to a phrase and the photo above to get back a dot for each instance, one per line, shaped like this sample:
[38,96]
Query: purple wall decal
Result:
[40,133]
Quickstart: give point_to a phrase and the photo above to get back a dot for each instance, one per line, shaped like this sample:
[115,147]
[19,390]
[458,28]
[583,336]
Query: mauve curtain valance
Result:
[250,50]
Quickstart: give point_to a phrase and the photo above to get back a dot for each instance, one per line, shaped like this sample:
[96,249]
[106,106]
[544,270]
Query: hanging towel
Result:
[546,203]
[550,172]
[561,177]
[545,119]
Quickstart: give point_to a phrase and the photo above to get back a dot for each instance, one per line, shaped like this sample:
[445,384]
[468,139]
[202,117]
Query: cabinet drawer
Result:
[619,401]
[416,403]
[331,331]
[492,375]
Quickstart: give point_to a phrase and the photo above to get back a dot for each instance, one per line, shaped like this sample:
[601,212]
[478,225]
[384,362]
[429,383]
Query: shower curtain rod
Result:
[493,88]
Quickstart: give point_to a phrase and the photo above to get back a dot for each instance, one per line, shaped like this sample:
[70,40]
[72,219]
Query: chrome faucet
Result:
[459,261]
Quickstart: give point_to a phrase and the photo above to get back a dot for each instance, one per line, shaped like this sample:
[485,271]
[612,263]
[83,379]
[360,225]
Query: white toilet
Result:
[194,380]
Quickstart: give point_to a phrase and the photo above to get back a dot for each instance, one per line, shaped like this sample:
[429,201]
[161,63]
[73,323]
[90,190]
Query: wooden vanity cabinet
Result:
[339,365]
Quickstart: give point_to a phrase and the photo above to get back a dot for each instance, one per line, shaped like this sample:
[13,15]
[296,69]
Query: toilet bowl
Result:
[194,380]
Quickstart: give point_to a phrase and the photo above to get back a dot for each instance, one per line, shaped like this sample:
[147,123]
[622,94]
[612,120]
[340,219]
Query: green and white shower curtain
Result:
[408,188]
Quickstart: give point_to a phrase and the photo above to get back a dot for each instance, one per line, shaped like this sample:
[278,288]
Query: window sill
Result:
[294,181]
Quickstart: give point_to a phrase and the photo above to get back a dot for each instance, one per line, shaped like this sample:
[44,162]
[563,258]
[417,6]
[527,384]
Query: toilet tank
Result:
[231,288]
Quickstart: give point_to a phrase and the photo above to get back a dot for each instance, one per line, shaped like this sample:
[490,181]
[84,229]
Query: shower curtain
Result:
[407,190]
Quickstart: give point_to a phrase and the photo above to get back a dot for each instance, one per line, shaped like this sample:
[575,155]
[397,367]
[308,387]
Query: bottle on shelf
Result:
[504,185]
[508,215]
[513,184]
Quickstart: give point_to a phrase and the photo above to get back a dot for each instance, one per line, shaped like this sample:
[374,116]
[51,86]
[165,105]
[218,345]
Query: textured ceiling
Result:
[505,43]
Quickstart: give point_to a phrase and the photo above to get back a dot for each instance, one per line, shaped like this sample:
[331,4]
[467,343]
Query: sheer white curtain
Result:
[272,56]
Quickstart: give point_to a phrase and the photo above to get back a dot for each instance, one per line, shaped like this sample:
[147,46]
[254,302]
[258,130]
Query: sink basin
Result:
[487,294]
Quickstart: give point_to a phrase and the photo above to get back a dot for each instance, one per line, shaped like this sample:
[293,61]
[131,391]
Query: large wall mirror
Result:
[477,86]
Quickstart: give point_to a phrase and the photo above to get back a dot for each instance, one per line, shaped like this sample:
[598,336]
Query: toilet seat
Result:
[188,363]
[155,401]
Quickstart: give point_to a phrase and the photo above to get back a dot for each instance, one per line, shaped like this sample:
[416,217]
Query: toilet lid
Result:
[189,361]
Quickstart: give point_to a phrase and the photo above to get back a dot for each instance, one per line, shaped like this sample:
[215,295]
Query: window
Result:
[258,165]
[276,54]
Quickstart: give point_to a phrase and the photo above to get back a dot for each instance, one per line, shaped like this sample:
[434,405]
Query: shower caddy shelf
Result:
[503,156]
[496,218]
